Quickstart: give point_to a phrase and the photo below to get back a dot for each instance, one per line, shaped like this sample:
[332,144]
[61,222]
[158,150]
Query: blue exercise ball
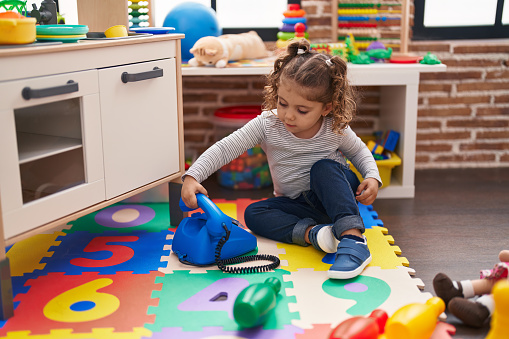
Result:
[195,21]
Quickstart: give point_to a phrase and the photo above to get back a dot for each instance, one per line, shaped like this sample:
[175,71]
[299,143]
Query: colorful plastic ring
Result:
[294,14]
[294,21]
[282,43]
[289,28]
[289,35]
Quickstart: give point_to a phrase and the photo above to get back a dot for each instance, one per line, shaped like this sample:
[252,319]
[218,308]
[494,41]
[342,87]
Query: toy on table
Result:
[361,59]
[331,49]
[369,327]
[430,59]
[217,51]
[457,294]
[351,50]
[15,29]
[405,59]
[379,53]
[293,22]
[377,45]
[256,303]
[117,31]
[46,14]
[213,237]
[415,321]
[500,320]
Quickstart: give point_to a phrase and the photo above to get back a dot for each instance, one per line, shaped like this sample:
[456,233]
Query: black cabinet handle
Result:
[27,93]
[155,73]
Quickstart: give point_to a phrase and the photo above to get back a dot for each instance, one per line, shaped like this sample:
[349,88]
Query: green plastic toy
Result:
[380,53]
[10,5]
[362,58]
[256,303]
[430,59]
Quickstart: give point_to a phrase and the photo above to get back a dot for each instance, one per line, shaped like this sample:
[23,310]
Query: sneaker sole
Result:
[349,274]
[326,240]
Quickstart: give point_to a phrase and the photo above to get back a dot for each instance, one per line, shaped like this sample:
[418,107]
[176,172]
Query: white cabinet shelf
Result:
[33,146]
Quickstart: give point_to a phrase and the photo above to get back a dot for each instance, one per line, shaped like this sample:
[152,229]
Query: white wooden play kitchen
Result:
[83,126]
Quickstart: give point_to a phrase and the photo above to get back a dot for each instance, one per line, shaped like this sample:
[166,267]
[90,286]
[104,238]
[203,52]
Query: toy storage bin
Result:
[251,169]
[384,168]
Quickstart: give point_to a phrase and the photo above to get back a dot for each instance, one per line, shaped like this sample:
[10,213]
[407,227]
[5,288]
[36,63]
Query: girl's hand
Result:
[367,191]
[189,190]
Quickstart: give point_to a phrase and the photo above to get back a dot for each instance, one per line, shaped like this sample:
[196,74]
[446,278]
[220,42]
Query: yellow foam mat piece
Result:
[380,244]
[297,257]
[383,254]
[24,256]
[230,209]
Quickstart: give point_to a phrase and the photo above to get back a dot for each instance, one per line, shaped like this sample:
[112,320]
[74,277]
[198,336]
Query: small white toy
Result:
[217,51]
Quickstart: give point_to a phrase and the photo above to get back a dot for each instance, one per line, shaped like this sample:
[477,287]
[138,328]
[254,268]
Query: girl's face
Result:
[300,116]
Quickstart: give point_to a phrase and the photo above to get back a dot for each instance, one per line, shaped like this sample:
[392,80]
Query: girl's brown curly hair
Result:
[324,81]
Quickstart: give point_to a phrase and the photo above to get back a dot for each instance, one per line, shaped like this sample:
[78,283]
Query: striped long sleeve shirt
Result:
[290,158]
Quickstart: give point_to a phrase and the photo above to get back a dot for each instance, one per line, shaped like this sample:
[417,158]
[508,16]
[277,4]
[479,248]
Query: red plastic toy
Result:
[369,327]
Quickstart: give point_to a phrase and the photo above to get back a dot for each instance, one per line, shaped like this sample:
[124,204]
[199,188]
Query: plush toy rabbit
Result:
[217,51]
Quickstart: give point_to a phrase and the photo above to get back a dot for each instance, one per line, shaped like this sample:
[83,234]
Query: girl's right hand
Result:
[189,190]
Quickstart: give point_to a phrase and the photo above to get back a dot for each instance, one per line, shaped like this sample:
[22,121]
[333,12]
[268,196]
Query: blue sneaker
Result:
[351,259]
[322,238]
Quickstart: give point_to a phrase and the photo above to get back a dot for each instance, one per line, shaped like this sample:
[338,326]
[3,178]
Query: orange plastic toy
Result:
[499,319]
[415,321]
[294,11]
[361,327]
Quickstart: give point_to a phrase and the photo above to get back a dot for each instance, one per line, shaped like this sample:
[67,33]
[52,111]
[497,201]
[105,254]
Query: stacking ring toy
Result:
[289,35]
[294,13]
[293,21]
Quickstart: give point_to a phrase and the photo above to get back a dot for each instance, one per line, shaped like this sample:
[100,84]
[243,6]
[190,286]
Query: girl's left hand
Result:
[367,191]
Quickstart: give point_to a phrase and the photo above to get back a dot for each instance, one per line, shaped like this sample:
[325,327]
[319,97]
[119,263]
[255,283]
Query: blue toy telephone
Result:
[213,237]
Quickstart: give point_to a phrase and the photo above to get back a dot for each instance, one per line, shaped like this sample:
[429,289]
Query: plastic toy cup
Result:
[117,31]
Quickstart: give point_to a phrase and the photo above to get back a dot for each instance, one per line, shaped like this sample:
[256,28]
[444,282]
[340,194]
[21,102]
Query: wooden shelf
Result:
[37,146]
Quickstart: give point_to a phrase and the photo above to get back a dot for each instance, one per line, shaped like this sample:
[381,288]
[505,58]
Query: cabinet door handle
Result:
[27,93]
[155,73]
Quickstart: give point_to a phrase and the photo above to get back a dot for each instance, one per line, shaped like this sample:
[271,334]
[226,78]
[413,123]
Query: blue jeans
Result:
[331,200]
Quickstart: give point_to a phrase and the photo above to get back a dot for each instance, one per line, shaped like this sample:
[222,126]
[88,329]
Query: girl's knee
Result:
[322,168]
[253,213]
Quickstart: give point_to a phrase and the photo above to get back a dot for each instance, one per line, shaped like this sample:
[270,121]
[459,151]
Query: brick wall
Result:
[463,118]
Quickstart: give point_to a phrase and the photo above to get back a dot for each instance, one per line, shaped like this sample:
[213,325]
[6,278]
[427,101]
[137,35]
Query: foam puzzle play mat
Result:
[113,274]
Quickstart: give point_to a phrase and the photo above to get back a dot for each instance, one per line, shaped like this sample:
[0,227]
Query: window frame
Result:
[267,34]
[420,32]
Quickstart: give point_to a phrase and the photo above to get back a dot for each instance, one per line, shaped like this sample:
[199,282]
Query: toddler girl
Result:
[305,133]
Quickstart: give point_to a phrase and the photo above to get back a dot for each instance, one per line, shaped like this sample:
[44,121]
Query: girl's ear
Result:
[327,108]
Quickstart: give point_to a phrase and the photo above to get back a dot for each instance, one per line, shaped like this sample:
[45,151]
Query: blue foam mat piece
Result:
[369,216]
